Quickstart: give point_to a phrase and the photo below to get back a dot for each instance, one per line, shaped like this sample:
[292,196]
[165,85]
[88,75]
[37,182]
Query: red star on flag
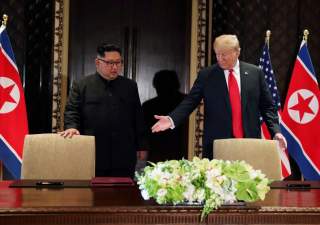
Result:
[5,95]
[303,106]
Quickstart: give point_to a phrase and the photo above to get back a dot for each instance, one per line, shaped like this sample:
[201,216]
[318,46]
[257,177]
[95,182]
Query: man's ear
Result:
[238,52]
[96,61]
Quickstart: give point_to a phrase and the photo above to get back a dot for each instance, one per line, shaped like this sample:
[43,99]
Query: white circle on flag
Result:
[313,106]
[9,106]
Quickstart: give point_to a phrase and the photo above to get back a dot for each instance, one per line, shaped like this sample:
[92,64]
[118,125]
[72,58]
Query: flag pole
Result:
[305,35]
[4,23]
[267,39]
[305,38]
[4,19]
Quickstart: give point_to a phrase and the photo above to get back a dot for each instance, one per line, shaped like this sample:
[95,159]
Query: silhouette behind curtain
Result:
[170,144]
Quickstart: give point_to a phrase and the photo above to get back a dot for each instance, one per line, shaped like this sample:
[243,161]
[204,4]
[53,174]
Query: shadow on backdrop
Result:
[170,144]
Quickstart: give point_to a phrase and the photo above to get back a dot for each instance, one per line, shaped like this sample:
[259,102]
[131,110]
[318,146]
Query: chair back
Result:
[261,154]
[50,156]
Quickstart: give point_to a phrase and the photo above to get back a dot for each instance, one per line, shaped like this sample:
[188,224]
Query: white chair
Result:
[50,156]
[261,154]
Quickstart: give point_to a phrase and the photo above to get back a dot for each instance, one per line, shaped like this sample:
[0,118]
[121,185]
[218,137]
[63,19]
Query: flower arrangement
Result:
[202,181]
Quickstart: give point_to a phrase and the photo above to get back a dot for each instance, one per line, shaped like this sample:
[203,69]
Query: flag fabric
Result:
[301,117]
[265,65]
[13,115]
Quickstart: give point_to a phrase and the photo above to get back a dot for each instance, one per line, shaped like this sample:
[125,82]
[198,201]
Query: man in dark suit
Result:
[107,106]
[235,95]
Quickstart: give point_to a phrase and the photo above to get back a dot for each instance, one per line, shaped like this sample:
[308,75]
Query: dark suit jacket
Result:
[111,111]
[211,86]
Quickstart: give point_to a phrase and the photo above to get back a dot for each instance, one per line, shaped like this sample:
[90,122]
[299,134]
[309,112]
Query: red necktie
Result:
[235,101]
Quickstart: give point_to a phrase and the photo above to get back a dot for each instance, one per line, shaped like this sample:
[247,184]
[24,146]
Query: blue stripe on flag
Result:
[10,160]
[5,42]
[296,152]
[305,58]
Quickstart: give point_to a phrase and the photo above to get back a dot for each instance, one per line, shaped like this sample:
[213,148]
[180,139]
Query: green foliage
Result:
[211,183]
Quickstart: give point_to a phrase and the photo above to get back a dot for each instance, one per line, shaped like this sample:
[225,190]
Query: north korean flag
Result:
[13,116]
[301,117]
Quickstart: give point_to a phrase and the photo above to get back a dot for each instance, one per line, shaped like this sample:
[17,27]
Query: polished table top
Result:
[124,205]
[127,196]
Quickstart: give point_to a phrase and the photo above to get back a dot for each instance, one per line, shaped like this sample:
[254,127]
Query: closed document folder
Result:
[112,181]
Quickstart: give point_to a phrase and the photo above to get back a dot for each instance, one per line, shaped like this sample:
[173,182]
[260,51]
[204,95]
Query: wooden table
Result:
[124,205]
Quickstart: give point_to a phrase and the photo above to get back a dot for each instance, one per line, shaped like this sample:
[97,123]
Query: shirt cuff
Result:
[172,123]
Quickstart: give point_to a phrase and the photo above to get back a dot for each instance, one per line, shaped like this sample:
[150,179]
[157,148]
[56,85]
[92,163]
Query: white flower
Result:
[256,173]
[200,195]
[215,188]
[214,172]
[145,194]
[189,193]
[229,197]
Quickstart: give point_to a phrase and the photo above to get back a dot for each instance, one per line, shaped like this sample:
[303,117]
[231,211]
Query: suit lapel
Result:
[224,88]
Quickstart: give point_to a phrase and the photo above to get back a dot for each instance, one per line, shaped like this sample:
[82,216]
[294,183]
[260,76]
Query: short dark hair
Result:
[102,48]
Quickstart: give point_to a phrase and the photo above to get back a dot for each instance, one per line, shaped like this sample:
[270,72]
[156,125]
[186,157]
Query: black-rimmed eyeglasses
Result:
[111,63]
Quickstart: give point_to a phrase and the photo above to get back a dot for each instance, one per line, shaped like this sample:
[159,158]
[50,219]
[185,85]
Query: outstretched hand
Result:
[163,124]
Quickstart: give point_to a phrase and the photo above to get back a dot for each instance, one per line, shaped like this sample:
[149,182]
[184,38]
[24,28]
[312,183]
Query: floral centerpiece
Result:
[202,181]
